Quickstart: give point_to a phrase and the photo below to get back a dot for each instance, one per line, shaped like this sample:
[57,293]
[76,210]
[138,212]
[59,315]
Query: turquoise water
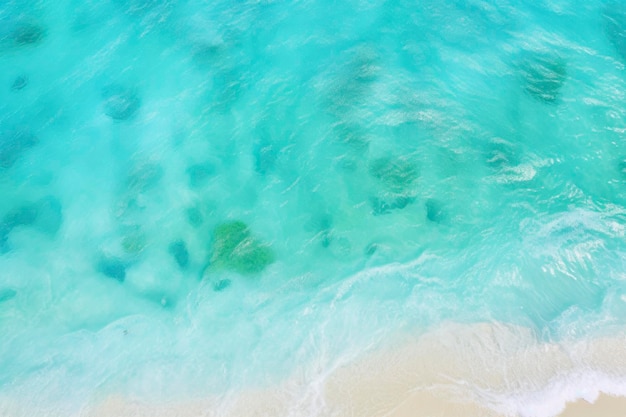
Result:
[199,196]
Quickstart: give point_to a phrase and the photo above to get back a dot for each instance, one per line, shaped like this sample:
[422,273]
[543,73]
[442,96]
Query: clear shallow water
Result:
[199,196]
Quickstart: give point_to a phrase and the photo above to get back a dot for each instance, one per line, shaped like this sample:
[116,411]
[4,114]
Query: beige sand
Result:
[605,406]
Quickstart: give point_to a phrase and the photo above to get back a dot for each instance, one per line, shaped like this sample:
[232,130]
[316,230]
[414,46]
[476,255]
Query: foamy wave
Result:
[487,369]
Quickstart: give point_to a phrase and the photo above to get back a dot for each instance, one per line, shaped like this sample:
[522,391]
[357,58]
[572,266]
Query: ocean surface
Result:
[199,197]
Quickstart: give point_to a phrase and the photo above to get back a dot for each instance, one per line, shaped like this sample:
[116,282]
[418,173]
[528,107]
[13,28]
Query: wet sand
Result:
[482,370]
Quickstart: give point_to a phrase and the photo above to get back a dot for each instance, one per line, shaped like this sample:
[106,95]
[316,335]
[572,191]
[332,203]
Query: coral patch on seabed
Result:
[235,248]
[544,76]
[388,205]
[396,174]
[178,250]
[120,102]
[14,144]
[26,33]
[134,242]
[194,216]
[7,294]
[112,267]
[44,215]
[435,210]
[265,156]
[19,83]
[199,174]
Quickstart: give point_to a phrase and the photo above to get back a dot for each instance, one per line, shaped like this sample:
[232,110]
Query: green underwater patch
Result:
[134,243]
[236,249]
[544,77]
[396,174]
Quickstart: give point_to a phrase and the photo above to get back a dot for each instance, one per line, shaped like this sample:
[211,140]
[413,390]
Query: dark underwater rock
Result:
[120,102]
[500,154]
[402,201]
[321,224]
[221,285]
[112,268]
[26,33]
[13,144]
[199,174]
[325,226]
[206,54]
[264,156]
[25,215]
[621,166]
[4,240]
[379,206]
[7,294]
[178,249]
[396,174]
[44,215]
[385,206]
[194,216]
[434,210]
[327,237]
[235,248]
[19,83]
[371,249]
[544,76]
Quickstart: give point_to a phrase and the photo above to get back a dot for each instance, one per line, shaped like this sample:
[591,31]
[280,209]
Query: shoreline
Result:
[420,404]
[486,369]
